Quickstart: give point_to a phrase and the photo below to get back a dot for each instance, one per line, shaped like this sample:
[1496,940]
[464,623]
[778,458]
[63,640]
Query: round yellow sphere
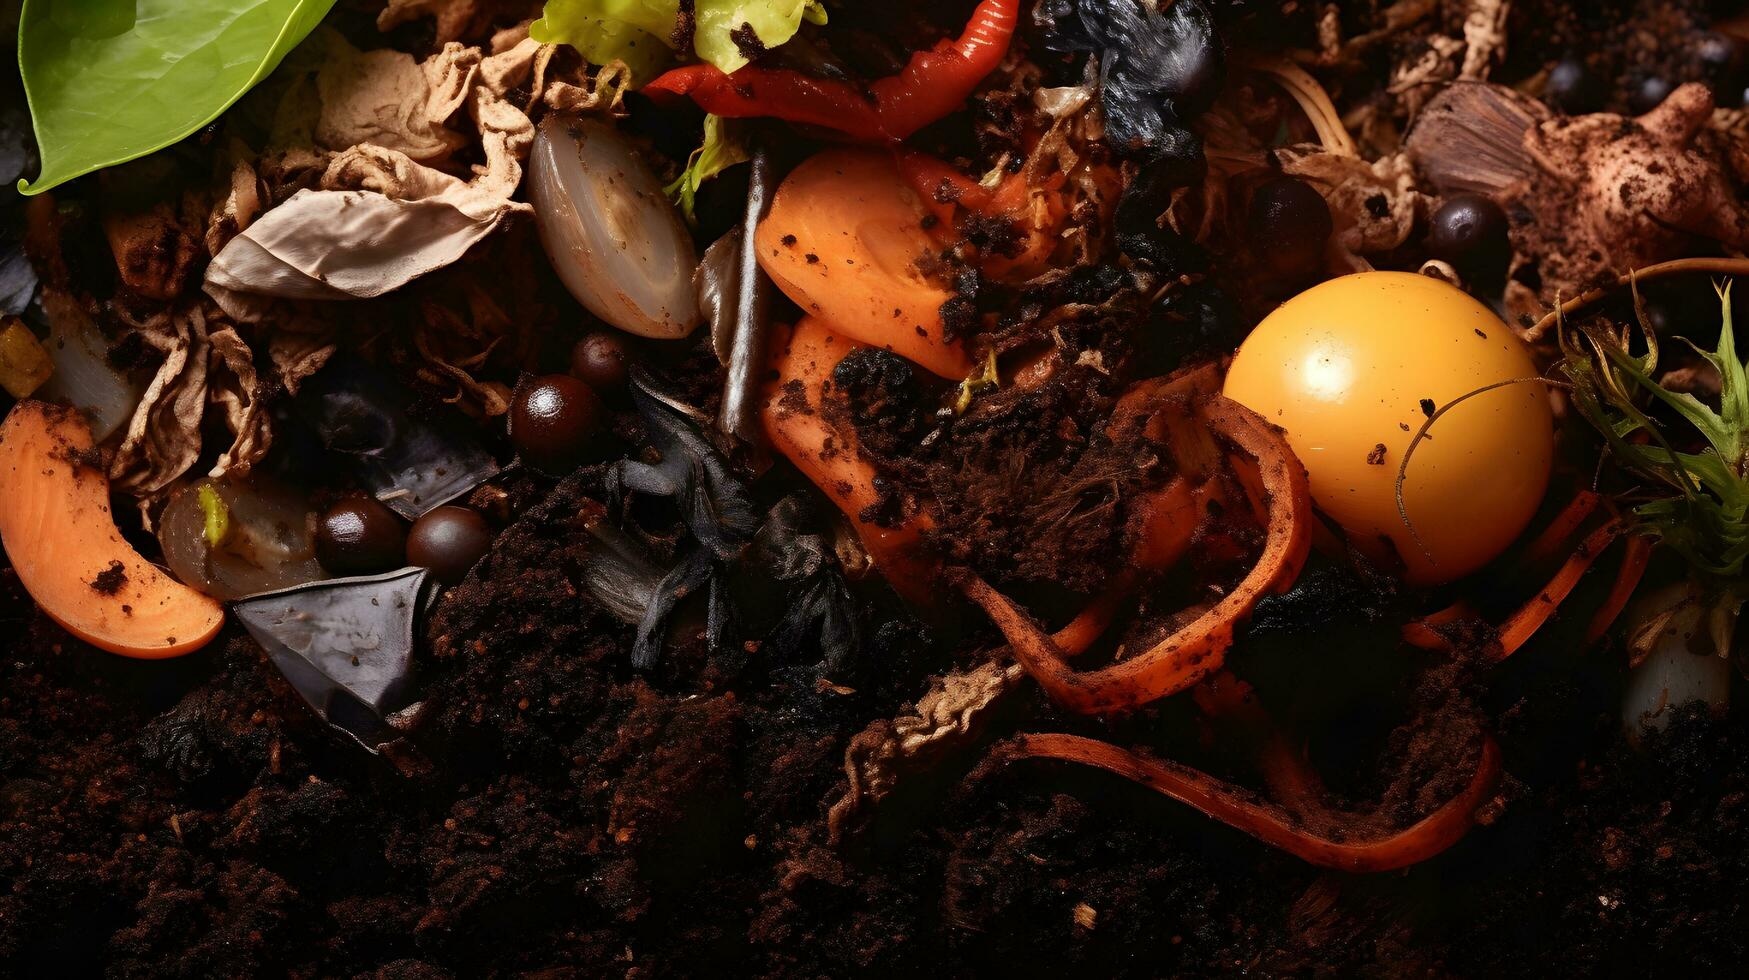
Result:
[1348,369]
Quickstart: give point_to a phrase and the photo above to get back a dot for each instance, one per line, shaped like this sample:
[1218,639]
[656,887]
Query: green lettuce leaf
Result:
[639,33]
[642,33]
[721,150]
[774,22]
[112,80]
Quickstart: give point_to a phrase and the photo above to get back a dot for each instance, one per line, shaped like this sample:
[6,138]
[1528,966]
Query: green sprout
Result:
[1697,501]
[217,515]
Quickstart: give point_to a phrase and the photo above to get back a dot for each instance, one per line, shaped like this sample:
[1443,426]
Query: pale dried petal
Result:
[949,715]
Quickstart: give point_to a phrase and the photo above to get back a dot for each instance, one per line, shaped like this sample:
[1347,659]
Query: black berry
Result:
[359,536]
[556,423]
[1470,232]
[449,540]
[1288,226]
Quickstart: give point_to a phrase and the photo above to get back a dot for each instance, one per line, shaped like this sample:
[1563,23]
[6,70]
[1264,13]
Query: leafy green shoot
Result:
[1697,473]
[720,151]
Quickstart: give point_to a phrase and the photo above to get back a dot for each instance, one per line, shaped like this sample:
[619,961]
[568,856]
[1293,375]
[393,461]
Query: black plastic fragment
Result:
[410,464]
[347,646]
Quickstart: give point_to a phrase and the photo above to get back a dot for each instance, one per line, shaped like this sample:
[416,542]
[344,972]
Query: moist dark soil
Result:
[191,818]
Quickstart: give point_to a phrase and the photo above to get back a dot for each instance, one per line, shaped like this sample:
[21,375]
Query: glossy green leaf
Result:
[113,80]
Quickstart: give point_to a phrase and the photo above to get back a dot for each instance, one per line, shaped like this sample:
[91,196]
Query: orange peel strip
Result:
[1272,824]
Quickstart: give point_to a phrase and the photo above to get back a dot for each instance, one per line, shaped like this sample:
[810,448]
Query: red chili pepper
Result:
[933,84]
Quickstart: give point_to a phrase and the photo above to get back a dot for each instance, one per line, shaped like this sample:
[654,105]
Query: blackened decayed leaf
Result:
[712,501]
[819,610]
[346,646]
[410,464]
[681,581]
[619,572]
[17,278]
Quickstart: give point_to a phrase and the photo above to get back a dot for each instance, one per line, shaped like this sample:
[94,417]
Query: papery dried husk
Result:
[1471,139]
[162,439]
[949,716]
[1354,188]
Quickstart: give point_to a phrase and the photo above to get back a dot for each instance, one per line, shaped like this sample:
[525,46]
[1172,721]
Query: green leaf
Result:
[643,33]
[112,80]
[639,33]
[773,22]
[1702,512]
[720,151]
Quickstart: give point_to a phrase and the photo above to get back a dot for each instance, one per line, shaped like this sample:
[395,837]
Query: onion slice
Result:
[612,235]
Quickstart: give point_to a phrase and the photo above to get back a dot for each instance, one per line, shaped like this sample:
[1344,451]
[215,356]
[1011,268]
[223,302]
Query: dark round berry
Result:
[359,536]
[1573,88]
[1470,232]
[599,361]
[1288,226]
[1650,93]
[556,423]
[448,540]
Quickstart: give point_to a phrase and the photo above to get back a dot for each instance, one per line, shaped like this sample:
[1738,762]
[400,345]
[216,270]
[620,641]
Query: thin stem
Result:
[1427,426]
[1717,265]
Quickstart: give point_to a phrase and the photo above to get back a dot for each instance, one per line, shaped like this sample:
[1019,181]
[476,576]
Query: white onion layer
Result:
[612,235]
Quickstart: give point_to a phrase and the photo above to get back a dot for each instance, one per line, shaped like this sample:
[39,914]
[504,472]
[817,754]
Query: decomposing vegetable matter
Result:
[1145,454]
[64,546]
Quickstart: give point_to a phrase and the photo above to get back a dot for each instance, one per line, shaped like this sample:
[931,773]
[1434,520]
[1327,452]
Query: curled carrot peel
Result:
[795,421]
[1286,772]
[1636,556]
[1519,627]
[1549,541]
[1037,209]
[1199,649]
[1320,837]
[933,84]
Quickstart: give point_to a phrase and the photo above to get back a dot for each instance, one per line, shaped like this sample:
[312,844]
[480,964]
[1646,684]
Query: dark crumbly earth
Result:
[192,819]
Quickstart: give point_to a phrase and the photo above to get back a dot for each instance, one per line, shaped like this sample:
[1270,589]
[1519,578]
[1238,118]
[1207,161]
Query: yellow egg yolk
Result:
[1350,370]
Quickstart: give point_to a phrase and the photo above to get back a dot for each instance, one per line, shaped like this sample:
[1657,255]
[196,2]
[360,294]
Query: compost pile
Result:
[674,721]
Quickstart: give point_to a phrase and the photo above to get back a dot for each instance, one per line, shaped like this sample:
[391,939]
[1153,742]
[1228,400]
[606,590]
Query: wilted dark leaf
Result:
[819,613]
[712,501]
[681,581]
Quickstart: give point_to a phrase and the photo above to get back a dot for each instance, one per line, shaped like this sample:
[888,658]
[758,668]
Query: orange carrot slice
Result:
[62,541]
[843,240]
[797,425]
[1318,837]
